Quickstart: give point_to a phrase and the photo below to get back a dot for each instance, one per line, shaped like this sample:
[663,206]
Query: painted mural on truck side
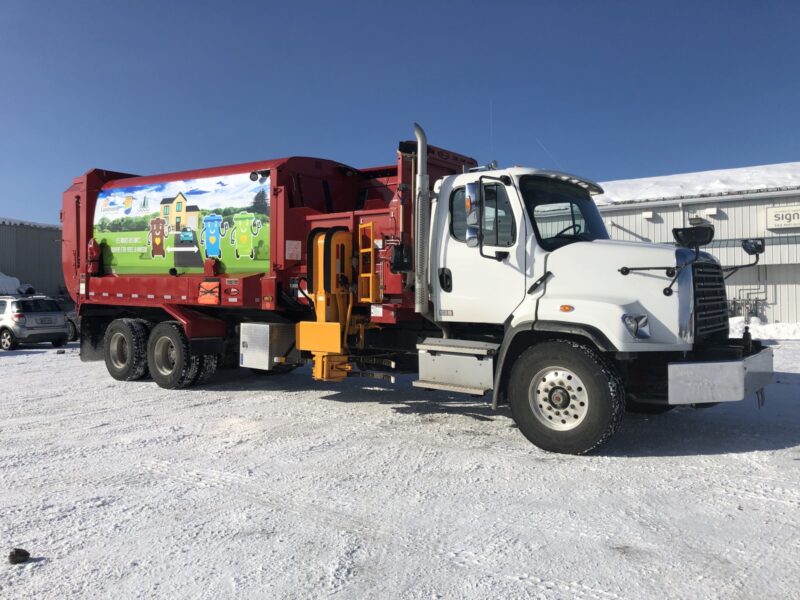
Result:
[150,229]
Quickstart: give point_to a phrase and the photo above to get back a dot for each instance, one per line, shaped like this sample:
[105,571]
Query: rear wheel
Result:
[125,349]
[8,341]
[171,365]
[207,368]
[565,397]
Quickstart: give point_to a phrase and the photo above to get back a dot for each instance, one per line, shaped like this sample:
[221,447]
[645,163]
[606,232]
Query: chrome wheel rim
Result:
[118,350]
[164,356]
[5,340]
[558,398]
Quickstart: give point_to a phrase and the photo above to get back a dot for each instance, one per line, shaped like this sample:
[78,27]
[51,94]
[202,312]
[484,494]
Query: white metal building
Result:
[752,202]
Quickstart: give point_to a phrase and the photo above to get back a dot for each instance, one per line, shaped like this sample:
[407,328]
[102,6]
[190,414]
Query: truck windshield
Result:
[562,213]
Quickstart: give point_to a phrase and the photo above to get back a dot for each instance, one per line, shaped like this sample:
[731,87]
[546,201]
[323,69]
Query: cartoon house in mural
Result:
[178,213]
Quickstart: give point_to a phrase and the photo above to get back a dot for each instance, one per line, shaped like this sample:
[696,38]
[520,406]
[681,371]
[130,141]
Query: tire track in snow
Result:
[239,486]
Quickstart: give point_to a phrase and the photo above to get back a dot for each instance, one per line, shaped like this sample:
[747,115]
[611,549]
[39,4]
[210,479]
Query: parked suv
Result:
[31,319]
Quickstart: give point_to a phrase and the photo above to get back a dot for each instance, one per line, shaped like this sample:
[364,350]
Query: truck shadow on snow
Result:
[34,349]
[685,431]
[401,397]
[732,428]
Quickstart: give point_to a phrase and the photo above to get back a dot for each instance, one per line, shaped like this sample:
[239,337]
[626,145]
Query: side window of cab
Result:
[499,227]
[458,214]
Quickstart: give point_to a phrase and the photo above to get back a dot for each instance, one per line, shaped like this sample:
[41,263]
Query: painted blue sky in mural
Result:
[208,193]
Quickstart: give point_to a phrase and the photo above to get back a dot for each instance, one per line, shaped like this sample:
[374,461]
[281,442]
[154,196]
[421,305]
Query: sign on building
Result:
[783,217]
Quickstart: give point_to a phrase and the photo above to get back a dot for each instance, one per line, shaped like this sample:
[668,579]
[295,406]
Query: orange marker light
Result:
[566,308]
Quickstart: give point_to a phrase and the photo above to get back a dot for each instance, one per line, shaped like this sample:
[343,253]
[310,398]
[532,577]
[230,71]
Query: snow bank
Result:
[703,183]
[8,284]
[765,331]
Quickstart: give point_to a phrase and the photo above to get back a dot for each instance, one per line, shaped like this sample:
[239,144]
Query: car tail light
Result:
[18,317]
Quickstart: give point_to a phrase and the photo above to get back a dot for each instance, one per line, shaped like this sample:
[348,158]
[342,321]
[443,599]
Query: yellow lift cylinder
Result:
[332,276]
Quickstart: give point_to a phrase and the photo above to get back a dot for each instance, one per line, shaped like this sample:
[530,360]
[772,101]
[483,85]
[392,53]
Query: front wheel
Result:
[565,397]
[72,331]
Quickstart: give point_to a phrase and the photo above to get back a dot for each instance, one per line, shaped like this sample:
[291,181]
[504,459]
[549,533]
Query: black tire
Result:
[645,408]
[125,349]
[59,343]
[568,420]
[171,366]
[8,341]
[72,331]
[207,368]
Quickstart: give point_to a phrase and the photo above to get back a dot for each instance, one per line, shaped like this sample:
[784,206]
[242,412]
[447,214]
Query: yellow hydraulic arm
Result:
[330,282]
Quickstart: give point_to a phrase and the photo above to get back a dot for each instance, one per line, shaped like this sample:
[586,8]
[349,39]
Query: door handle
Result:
[446,280]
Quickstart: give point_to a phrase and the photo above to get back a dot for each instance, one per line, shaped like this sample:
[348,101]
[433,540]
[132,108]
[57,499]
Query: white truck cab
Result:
[577,327]
[543,226]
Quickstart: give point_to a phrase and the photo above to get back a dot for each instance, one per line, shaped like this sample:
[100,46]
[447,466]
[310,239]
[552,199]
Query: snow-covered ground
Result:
[285,488]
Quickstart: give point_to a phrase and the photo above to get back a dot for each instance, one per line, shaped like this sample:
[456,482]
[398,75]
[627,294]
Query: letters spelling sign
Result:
[783,216]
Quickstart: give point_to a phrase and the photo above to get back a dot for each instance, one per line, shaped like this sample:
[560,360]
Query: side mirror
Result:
[693,237]
[753,247]
[473,204]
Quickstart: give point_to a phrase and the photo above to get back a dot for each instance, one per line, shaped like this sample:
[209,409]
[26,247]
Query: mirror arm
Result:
[731,270]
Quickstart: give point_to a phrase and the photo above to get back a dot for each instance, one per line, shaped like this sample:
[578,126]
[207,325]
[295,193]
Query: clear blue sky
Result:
[609,90]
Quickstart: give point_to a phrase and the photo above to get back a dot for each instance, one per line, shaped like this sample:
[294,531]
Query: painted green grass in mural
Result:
[128,253]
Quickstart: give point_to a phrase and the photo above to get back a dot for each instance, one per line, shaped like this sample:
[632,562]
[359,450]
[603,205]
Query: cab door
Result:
[485,283]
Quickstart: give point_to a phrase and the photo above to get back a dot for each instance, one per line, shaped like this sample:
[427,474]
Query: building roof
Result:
[703,184]
[168,200]
[192,208]
[17,222]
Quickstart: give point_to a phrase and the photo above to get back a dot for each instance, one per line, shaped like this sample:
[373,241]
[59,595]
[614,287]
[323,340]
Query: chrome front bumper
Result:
[719,381]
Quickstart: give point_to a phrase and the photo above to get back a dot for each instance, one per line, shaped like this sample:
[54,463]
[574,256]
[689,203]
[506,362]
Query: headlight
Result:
[637,325]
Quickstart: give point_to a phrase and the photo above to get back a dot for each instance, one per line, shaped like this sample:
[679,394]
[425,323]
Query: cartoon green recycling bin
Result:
[245,228]
[214,229]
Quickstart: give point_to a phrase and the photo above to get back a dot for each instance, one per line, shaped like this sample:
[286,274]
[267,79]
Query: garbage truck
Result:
[492,282]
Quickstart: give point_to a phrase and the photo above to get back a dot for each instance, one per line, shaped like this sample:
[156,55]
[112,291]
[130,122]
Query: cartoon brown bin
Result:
[209,292]
[155,239]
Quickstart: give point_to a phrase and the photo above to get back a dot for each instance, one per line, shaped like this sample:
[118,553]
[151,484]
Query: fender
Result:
[540,329]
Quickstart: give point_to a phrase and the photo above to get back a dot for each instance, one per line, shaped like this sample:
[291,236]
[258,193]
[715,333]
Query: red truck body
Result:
[306,194]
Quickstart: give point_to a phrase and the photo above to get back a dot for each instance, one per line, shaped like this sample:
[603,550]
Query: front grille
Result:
[710,302]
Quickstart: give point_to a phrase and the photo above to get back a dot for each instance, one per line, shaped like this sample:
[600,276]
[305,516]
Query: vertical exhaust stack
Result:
[421,224]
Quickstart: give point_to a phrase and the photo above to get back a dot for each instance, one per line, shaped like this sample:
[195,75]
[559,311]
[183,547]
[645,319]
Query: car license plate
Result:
[46,321]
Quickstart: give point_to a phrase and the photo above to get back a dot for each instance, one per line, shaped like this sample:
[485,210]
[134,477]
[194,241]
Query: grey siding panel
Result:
[33,255]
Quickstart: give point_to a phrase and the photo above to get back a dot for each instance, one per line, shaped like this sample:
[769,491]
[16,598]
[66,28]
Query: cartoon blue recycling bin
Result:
[213,230]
